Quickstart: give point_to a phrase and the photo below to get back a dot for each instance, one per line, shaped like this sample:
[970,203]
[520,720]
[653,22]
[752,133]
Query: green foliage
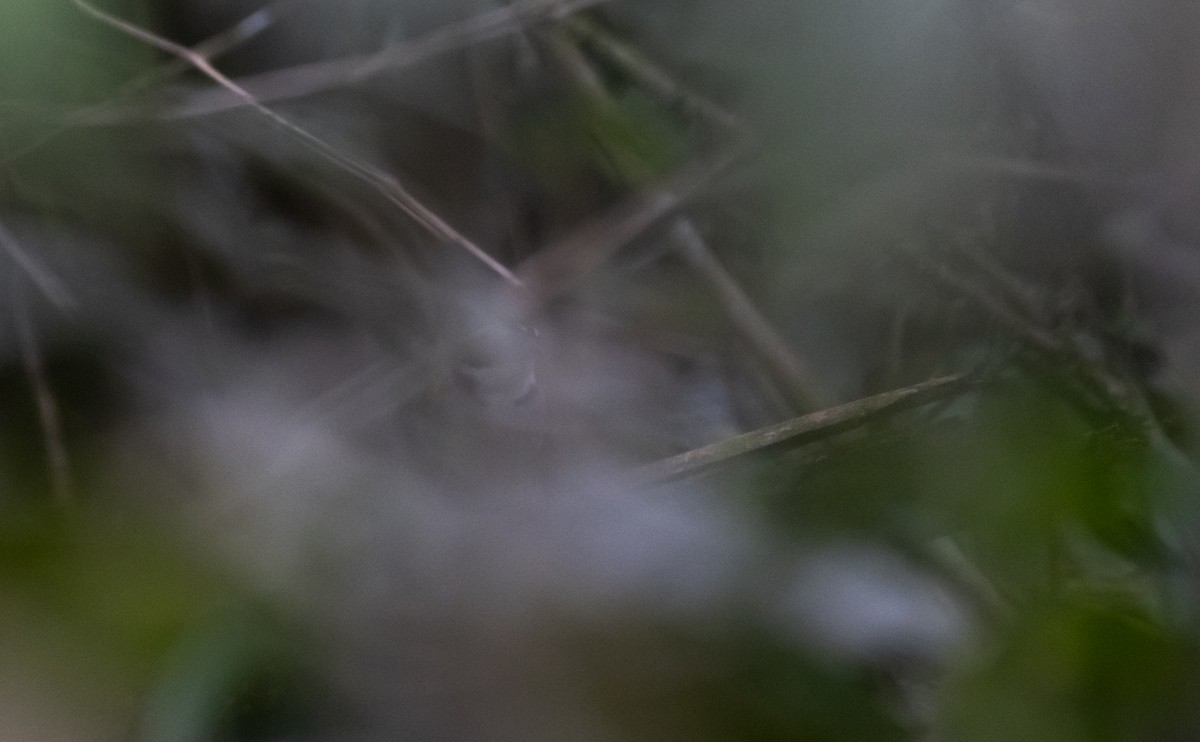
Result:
[631,139]
[734,684]
[51,55]
[176,644]
[1081,667]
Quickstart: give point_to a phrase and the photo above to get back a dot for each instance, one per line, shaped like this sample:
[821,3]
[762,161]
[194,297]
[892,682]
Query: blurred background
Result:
[599,370]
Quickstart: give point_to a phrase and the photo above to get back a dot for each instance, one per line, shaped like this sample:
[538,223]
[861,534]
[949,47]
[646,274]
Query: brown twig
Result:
[316,77]
[385,184]
[811,427]
[800,385]
[219,44]
[558,267]
[798,382]
[212,48]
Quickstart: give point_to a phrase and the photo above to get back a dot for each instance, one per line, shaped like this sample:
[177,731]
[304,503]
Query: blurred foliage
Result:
[157,263]
[50,55]
[738,684]
[115,597]
[630,140]
[1081,666]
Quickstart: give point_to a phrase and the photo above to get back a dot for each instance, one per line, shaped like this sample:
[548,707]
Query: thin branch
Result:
[1009,288]
[211,48]
[316,77]
[799,383]
[812,427]
[556,268]
[650,75]
[1088,381]
[801,386]
[992,306]
[385,184]
[46,282]
[488,88]
[49,420]
[217,45]
[567,53]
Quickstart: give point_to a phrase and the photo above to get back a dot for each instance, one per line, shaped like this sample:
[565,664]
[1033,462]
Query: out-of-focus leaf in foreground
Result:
[109,629]
[1082,667]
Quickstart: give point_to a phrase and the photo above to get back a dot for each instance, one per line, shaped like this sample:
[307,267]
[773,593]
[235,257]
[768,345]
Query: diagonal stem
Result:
[813,426]
[385,184]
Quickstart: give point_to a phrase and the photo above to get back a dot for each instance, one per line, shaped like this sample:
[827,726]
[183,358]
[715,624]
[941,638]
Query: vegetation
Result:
[585,370]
